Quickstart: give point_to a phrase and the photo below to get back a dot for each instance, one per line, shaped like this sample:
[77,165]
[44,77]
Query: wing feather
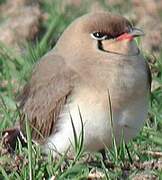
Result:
[45,94]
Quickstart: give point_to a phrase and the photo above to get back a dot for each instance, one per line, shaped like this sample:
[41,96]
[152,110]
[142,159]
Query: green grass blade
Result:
[29,143]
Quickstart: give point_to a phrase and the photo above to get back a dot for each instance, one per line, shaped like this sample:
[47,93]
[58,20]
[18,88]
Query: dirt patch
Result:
[20,22]
[148,17]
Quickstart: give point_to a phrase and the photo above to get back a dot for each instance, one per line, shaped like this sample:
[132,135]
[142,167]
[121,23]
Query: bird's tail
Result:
[10,138]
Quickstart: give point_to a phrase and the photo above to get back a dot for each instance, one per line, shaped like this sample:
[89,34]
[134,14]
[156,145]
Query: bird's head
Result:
[100,32]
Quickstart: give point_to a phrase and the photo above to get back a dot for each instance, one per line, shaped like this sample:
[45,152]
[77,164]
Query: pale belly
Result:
[97,125]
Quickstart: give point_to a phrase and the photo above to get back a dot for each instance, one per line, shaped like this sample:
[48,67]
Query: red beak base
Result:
[125,36]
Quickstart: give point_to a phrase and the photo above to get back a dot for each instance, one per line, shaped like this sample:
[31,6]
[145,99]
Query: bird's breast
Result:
[90,103]
[93,108]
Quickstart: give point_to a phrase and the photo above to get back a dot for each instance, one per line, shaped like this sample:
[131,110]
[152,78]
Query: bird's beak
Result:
[135,32]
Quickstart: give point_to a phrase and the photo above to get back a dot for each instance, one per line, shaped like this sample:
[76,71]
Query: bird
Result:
[94,81]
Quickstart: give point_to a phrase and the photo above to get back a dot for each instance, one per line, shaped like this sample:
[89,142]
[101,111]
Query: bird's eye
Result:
[99,35]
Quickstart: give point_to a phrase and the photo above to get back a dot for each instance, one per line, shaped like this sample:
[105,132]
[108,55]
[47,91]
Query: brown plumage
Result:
[45,94]
[95,54]
[103,23]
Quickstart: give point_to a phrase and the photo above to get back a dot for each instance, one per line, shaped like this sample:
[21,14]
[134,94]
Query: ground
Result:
[30,28]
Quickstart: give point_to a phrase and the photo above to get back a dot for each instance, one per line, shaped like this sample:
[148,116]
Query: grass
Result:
[29,161]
